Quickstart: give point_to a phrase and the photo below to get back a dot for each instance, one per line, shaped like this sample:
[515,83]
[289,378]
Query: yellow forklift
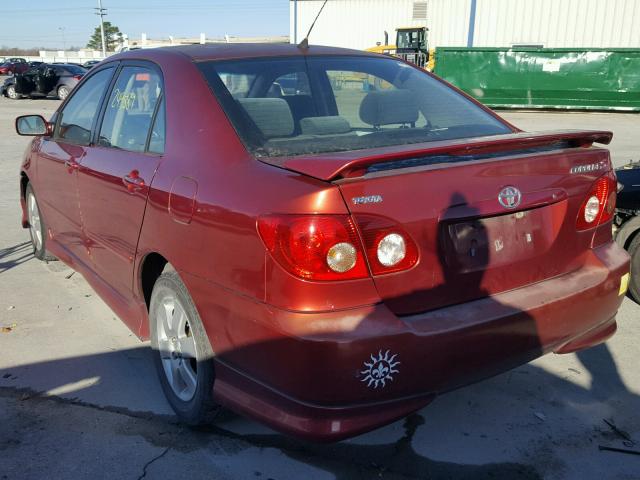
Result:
[411,45]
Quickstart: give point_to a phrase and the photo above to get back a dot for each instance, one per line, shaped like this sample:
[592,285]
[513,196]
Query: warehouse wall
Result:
[355,24]
[499,23]
[557,23]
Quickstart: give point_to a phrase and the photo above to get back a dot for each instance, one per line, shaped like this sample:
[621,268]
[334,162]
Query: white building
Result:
[360,24]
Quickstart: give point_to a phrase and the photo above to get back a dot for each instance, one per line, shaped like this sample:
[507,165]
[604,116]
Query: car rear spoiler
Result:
[333,166]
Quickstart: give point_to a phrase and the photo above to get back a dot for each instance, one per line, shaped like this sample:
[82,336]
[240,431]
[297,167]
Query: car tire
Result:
[63,92]
[177,334]
[37,227]
[11,93]
[634,281]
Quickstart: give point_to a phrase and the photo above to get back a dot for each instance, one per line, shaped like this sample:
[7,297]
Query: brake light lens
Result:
[314,247]
[389,247]
[78,77]
[600,204]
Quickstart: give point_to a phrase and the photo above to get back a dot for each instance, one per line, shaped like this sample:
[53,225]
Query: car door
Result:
[58,160]
[116,172]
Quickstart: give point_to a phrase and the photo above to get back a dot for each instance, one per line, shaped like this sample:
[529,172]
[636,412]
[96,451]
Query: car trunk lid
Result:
[450,199]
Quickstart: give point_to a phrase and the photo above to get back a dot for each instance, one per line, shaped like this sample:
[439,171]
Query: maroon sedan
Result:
[11,68]
[319,238]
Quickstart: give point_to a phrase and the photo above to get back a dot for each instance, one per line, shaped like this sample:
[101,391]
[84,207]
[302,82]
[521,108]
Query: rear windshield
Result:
[294,106]
[72,69]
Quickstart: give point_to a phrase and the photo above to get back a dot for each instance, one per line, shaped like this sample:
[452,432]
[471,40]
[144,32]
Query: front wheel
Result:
[63,92]
[182,352]
[37,228]
[634,282]
[11,92]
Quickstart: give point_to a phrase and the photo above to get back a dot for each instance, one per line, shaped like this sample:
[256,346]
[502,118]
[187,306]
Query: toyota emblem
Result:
[509,197]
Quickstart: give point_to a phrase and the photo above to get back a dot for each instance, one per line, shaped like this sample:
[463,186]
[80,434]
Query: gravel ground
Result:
[79,396]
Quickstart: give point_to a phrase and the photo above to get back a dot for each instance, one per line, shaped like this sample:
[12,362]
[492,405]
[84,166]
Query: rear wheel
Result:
[11,92]
[63,92]
[182,352]
[634,282]
[37,228]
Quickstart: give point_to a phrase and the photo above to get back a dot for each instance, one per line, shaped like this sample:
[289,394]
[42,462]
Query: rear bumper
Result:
[328,376]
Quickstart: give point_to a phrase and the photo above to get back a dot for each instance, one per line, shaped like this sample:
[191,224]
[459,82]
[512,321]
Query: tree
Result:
[112,37]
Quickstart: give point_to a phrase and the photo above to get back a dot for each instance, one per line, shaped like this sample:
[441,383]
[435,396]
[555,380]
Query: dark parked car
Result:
[44,80]
[627,220]
[90,63]
[325,259]
[35,64]
[11,68]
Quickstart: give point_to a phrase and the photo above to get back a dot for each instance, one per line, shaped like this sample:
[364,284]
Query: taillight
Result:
[600,204]
[78,77]
[314,247]
[389,248]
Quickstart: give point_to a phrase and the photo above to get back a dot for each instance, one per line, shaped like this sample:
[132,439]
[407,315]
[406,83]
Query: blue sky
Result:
[45,21]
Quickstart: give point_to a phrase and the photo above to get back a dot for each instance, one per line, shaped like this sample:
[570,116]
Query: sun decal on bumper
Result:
[380,369]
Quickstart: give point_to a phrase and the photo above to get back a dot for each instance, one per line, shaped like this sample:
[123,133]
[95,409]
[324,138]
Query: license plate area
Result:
[497,241]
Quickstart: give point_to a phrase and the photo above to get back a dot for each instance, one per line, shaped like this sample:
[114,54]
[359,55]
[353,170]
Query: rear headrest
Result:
[271,115]
[388,107]
[324,125]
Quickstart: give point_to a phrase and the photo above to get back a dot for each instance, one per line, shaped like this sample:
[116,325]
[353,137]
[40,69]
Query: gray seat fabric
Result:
[389,107]
[332,125]
[271,115]
[301,107]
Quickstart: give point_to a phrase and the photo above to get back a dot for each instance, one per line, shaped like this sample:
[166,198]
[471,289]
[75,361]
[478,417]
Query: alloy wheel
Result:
[34,221]
[177,347]
[63,92]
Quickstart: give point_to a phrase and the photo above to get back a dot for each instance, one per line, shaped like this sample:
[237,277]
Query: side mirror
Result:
[31,125]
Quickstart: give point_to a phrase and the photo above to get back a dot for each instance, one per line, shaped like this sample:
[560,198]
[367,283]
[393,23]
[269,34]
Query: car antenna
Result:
[304,44]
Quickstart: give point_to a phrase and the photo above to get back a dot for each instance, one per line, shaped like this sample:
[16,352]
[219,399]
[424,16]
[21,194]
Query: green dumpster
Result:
[563,78]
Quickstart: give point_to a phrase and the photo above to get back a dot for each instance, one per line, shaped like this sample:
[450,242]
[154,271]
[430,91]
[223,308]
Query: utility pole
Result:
[64,41]
[295,22]
[101,13]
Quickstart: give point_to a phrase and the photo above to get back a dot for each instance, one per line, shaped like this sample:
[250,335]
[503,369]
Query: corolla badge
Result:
[380,369]
[509,197]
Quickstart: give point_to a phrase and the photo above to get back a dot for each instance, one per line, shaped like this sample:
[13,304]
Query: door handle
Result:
[133,181]
[71,165]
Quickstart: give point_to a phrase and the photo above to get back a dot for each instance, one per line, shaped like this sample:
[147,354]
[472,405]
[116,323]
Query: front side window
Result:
[295,106]
[130,109]
[76,119]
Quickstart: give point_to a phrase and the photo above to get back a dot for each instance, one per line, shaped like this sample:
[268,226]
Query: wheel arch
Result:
[151,267]
[24,181]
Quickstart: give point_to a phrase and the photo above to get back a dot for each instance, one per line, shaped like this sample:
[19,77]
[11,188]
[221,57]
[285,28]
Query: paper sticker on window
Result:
[123,100]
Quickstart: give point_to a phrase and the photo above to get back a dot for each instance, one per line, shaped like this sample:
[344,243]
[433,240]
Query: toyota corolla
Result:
[319,238]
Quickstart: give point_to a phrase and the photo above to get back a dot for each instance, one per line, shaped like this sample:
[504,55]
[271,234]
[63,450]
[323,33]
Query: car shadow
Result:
[20,253]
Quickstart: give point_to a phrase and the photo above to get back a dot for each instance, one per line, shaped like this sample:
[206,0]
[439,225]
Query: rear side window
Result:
[130,109]
[293,106]
[74,70]
[76,119]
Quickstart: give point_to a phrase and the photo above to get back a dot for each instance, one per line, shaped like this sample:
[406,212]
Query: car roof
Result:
[225,51]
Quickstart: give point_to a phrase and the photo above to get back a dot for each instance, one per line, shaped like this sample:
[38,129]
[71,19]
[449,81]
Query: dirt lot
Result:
[79,397]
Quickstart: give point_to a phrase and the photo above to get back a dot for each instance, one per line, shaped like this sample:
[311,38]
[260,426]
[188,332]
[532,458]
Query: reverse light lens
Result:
[591,209]
[388,246]
[391,250]
[342,257]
